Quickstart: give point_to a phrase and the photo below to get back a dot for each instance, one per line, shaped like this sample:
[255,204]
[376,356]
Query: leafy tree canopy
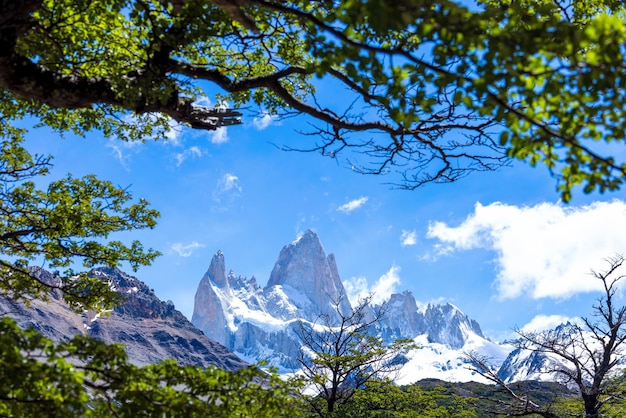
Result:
[434,89]
[63,226]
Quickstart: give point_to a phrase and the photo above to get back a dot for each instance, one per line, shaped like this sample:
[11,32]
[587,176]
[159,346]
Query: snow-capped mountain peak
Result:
[447,324]
[304,285]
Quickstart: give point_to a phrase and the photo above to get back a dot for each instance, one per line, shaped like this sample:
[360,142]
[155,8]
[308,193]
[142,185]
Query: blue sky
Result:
[498,245]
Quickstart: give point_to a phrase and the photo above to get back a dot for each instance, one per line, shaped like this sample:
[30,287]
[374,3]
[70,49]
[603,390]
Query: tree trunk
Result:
[591,406]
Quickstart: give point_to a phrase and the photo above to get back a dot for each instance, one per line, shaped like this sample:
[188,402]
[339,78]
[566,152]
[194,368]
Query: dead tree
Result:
[586,353]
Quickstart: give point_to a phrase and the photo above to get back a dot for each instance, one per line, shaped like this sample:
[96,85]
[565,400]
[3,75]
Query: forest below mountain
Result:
[437,398]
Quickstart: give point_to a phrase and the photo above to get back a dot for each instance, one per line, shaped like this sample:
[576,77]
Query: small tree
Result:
[84,377]
[588,352]
[341,354]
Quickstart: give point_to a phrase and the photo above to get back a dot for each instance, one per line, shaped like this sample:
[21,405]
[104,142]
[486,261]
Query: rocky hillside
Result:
[151,329]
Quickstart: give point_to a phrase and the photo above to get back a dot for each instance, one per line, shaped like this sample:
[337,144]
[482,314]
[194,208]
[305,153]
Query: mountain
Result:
[306,281]
[262,323]
[442,324]
[523,364]
[151,329]
[541,366]
[235,318]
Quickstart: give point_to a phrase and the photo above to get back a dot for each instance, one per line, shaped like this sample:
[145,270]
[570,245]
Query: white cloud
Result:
[119,155]
[408,238]
[386,285]
[203,101]
[358,288]
[353,204]
[186,250]
[122,150]
[547,322]
[227,187]
[545,250]
[219,136]
[263,122]
[189,152]
[228,182]
[174,131]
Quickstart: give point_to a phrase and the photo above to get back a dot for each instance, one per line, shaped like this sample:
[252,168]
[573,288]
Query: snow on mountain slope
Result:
[263,323]
[573,341]
[440,361]
[529,365]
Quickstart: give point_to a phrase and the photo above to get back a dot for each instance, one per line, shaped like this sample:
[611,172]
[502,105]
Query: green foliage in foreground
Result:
[66,224]
[612,400]
[85,377]
[438,91]
[433,89]
[63,226]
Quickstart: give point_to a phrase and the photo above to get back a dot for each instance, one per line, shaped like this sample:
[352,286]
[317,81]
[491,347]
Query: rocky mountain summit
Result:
[151,329]
[308,279]
[262,323]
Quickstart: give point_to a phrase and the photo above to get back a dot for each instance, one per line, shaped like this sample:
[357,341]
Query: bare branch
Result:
[587,354]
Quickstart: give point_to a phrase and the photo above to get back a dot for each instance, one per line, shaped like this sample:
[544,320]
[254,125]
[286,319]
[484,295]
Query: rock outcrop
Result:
[151,329]
[446,324]
[208,312]
[308,279]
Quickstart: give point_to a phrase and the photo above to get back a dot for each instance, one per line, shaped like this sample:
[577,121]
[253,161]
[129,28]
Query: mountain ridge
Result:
[237,322]
[152,330]
[262,323]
